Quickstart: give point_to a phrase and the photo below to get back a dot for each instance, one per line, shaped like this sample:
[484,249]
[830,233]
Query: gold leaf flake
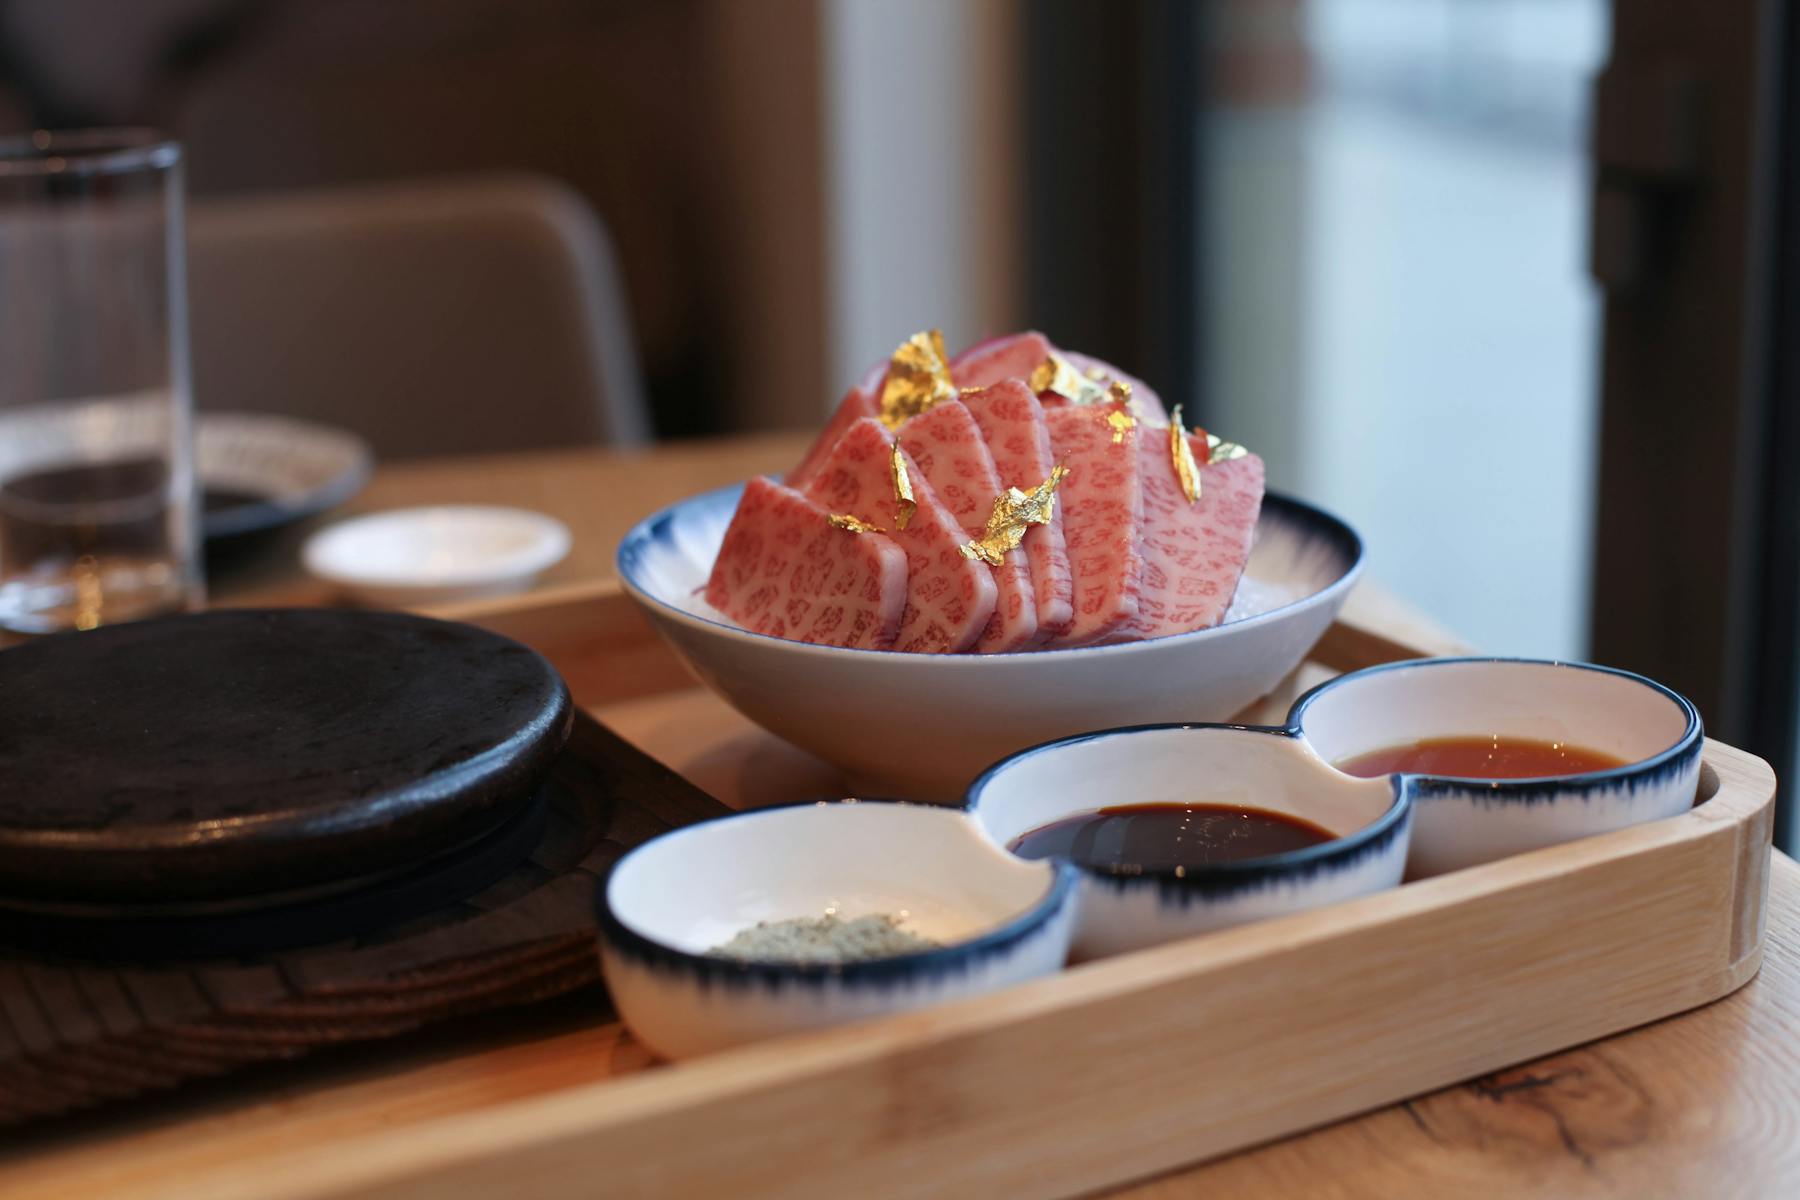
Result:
[850,523]
[1014,511]
[918,376]
[1119,418]
[1218,451]
[1186,469]
[903,493]
[1057,374]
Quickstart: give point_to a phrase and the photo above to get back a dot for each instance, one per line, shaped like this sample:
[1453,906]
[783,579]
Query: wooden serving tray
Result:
[1111,1071]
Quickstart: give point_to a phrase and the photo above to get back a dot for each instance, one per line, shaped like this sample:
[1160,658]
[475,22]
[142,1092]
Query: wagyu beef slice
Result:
[949,598]
[858,402]
[784,570]
[1149,407]
[1014,356]
[1017,355]
[1194,553]
[1103,505]
[947,444]
[1012,421]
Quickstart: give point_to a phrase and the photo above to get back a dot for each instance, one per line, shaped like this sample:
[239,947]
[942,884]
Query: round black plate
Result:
[146,932]
[245,754]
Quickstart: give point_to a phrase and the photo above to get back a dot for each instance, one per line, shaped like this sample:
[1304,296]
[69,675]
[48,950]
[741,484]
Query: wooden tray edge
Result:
[975,1059]
[1722,843]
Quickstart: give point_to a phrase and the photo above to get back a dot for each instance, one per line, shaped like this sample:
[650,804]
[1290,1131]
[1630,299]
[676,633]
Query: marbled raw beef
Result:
[1194,553]
[948,446]
[949,598]
[1149,405]
[1012,421]
[1014,356]
[1103,508]
[1017,355]
[858,402]
[784,570]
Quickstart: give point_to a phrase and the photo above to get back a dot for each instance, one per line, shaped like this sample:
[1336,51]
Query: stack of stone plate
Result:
[235,836]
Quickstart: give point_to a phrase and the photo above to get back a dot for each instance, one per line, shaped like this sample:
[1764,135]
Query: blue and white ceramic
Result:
[924,725]
[1461,822]
[1270,769]
[1000,920]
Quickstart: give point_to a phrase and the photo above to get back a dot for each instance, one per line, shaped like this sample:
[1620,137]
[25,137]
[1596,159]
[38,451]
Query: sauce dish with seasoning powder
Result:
[693,924]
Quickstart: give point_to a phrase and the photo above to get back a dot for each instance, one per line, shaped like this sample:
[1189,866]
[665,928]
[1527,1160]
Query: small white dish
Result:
[1000,920]
[1248,766]
[413,556]
[1462,821]
[923,726]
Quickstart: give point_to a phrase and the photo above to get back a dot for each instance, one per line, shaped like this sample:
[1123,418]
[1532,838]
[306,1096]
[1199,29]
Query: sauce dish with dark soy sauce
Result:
[1125,906]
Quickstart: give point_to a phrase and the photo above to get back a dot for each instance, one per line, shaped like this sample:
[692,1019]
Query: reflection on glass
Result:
[1400,317]
[96,483]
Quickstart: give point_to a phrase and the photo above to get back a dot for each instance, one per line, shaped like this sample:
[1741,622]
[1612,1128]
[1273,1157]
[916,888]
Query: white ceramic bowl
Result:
[414,556]
[1001,920]
[1460,822]
[1271,769]
[923,726]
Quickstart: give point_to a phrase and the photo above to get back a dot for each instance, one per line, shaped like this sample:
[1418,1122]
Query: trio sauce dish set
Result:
[1107,842]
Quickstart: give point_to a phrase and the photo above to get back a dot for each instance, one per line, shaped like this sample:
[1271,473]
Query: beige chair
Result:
[432,317]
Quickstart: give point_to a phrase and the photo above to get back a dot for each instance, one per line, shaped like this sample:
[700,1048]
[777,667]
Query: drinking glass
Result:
[97,513]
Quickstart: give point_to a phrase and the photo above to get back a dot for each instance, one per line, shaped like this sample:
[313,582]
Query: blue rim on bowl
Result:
[1671,760]
[955,958]
[1333,535]
[1217,879]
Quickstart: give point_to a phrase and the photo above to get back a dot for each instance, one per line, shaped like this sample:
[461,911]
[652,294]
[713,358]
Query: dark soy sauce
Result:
[1166,837]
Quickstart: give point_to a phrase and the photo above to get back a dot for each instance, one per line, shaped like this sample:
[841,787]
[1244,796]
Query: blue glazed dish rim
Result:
[956,957]
[1316,523]
[1216,877]
[1534,787]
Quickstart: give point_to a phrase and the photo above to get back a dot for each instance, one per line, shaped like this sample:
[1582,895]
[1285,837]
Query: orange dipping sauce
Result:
[1480,758]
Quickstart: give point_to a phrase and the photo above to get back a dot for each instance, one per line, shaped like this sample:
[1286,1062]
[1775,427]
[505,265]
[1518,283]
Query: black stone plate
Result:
[79,1029]
[236,755]
[160,931]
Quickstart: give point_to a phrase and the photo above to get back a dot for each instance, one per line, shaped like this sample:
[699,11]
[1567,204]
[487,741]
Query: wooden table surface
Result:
[599,495]
[1703,1104]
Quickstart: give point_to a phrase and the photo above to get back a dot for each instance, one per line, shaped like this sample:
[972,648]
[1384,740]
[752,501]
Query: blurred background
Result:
[1498,280]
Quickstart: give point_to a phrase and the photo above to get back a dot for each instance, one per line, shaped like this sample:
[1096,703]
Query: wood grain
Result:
[599,494]
[1706,1104]
[964,1098]
[1434,981]
[76,1035]
[1701,1104]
